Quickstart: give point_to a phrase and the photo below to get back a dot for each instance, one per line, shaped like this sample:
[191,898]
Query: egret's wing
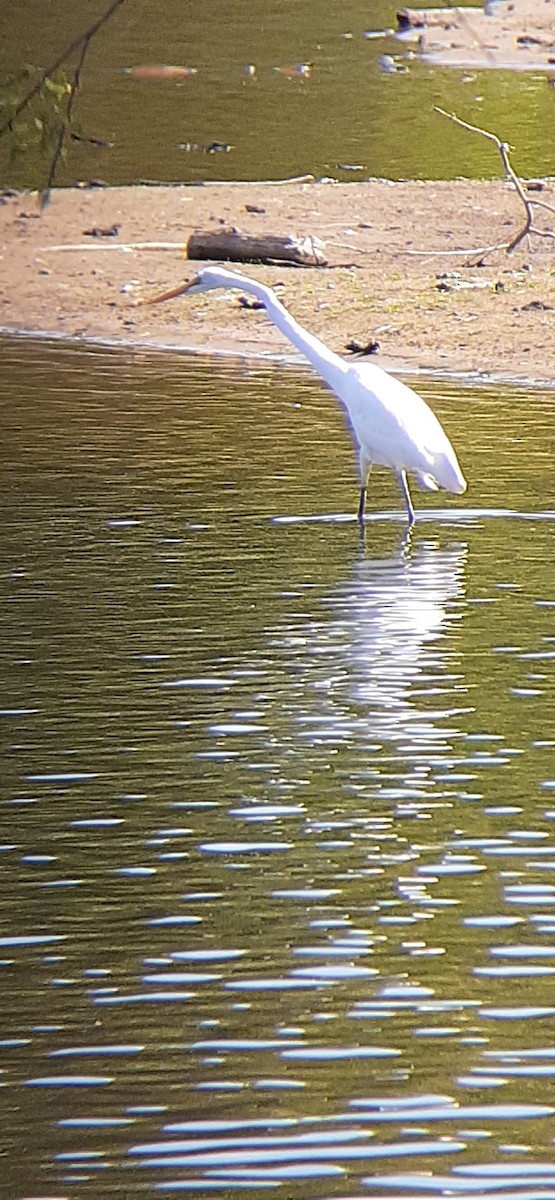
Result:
[396,428]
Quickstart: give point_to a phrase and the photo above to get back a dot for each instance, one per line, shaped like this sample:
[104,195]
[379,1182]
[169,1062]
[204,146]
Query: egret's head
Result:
[210,277]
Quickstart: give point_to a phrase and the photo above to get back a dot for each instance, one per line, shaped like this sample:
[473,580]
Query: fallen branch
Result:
[442,253]
[227,183]
[504,148]
[231,246]
[252,183]
[125,246]
[223,244]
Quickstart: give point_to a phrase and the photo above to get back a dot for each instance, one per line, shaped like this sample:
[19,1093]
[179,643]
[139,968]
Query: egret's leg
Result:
[402,477]
[364,466]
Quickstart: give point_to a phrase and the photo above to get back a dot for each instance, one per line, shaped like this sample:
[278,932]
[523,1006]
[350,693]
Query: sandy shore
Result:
[517,36]
[401,271]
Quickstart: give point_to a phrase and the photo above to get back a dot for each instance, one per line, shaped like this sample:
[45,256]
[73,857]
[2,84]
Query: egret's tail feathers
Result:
[448,474]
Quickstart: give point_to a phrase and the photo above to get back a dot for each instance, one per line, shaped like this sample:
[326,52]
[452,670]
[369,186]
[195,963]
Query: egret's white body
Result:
[393,426]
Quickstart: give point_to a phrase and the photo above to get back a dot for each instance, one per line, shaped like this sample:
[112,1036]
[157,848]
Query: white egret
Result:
[392,425]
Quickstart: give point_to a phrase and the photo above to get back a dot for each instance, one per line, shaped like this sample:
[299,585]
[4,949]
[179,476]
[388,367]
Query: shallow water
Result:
[277,907]
[268,124]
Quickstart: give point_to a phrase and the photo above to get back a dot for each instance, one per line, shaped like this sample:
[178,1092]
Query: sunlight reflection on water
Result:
[271,830]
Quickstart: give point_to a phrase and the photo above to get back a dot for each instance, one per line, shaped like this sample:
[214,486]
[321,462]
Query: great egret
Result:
[392,425]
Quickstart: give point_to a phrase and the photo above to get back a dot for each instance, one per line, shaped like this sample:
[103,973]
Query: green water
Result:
[277,808]
[347,120]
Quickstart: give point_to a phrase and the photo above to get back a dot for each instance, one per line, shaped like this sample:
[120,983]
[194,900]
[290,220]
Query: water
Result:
[375,124]
[277,896]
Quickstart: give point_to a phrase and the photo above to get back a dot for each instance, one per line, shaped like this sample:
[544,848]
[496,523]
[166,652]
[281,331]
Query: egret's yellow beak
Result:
[177,291]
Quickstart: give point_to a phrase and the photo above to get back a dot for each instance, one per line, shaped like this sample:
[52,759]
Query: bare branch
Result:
[64,124]
[528,227]
[504,152]
[69,50]
[467,125]
[543,204]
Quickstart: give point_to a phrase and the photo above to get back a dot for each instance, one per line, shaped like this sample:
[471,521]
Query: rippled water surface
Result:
[277,897]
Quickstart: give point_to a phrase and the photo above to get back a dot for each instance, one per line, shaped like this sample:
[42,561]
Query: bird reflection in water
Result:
[381,665]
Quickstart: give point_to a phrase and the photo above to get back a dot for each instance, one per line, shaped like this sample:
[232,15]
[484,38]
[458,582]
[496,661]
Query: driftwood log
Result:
[229,245]
[423,18]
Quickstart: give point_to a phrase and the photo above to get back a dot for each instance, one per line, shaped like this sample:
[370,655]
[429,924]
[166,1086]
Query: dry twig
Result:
[504,149]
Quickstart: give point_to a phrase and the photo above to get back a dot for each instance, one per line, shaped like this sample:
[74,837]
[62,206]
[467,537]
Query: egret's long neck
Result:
[329,365]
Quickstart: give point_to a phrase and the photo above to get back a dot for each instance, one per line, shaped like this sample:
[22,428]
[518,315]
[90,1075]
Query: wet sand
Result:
[402,271]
